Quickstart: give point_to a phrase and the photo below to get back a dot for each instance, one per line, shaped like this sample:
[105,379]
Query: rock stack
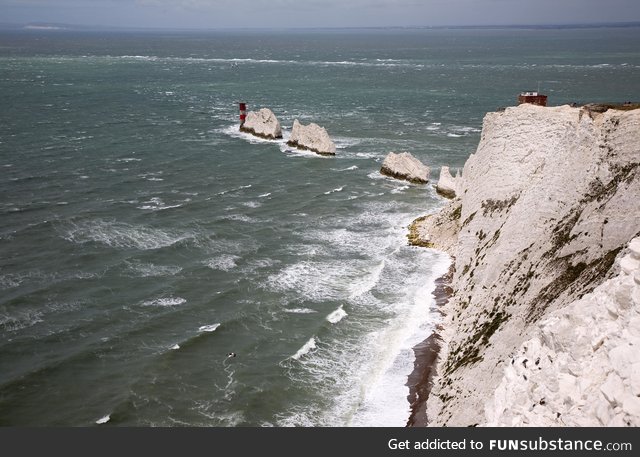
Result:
[311,137]
[447,185]
[263,124]
[405,166]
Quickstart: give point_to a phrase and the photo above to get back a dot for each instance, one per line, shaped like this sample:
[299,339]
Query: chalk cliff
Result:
[311,137]
[543,326]
[262,123]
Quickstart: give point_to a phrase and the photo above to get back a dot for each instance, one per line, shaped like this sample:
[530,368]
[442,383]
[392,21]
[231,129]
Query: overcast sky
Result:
[316,13]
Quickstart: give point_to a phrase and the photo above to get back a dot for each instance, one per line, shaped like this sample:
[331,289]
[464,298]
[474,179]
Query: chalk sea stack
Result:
[447,185]
[311,137]
[263,124]
[405,166]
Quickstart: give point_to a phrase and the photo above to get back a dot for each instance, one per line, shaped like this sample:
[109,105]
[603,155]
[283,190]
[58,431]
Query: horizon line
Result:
[60,27]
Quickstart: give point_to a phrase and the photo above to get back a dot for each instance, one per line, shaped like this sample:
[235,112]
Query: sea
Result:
[160,268]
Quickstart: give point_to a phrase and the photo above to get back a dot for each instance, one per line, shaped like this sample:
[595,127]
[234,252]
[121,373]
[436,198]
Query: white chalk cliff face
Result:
[405,166]
[262,123]
[548,202]
[581,366]
[311,137]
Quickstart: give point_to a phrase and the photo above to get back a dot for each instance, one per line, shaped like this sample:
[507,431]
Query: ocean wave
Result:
[147,270]
[104,419]
[300,311]
[152,176]
[346,142]
[367,155]
[337,315]
[24,319]
[156,204]
[294,152]
[368,282]
[224,262]
[252,204]
[401,189]
[234,189]
[338,189]
[309,346]
[209,328]
[9,281]
[374,63]
[121,235]
[351,168]
[312,280]
[164,302]
[234,132]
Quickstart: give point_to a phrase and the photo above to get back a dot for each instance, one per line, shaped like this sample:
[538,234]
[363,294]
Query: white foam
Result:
[151,176]
[368,373]
[264,195]
[376,175]
[368,282]
[175,347]
[23,320]
[122,235]
[338,189]
[234,132]
[300,311]
[353,167]
[240,218]
[316,281]
[252,204]
[146,270]
[453,135]
[345,142]
[224,262]
[337,315]
[401,189]
[235,189]
[367,155]
[209,328]
[165,302]
[9,281]
[236,61]
[103,420]
[305,349]
[384,402]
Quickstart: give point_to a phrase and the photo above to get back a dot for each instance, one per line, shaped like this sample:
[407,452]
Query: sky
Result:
[210,14]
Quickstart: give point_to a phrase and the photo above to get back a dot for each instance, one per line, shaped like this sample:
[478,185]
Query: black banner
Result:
[158,442]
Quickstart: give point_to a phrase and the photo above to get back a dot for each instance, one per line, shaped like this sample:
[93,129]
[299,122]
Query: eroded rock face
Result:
[405,166]
[311,137]
[447,185]
[549,201]
[581,366]
[262,123]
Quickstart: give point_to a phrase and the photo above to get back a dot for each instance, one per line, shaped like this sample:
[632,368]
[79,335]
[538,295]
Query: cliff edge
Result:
[546,208]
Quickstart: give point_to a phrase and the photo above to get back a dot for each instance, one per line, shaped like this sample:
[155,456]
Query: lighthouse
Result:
[243,112]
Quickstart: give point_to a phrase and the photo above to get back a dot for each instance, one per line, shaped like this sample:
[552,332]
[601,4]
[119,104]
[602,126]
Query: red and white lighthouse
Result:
[243,112]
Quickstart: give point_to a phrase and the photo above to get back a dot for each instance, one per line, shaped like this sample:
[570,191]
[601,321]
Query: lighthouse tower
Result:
[243,112]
